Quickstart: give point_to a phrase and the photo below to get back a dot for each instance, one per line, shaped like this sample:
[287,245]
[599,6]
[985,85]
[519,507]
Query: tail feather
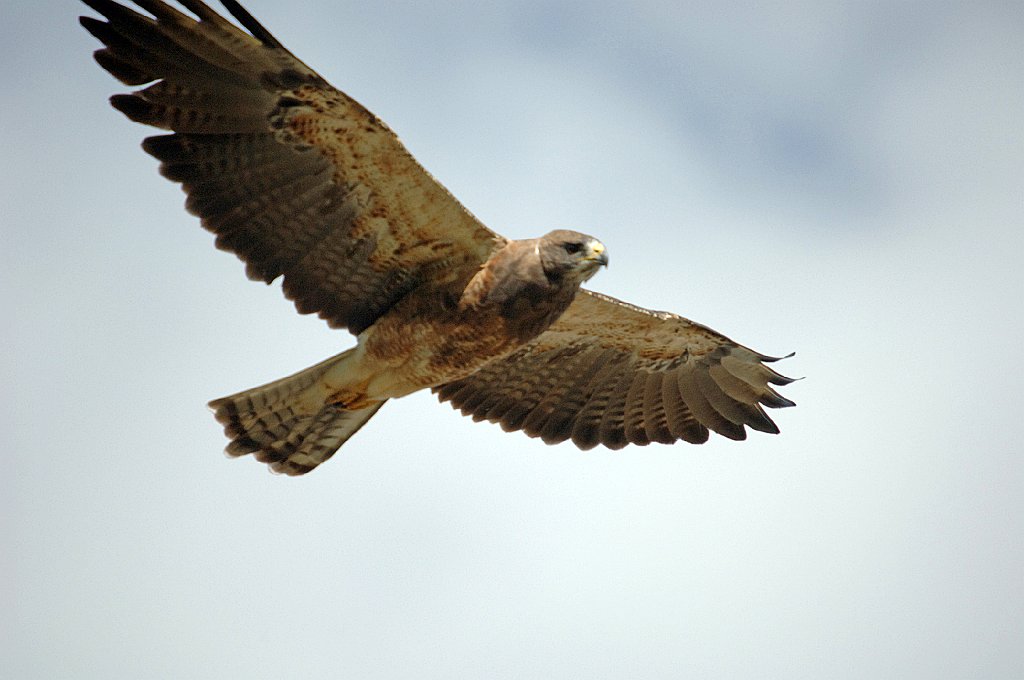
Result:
[304,448]
[287,423]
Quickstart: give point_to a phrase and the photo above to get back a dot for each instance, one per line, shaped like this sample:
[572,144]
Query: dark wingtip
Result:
[124,72]
[777,378]
[771,360]
[251,24]
[776,400]
[134,107]
[759,420]
[96,27]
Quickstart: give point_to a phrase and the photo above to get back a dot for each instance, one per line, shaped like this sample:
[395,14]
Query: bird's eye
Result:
[573,248]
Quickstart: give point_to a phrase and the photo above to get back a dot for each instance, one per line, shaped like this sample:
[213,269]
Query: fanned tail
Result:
[287,423]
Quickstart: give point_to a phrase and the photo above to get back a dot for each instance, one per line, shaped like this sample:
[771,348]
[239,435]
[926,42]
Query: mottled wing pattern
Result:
[292,175]
[611,373]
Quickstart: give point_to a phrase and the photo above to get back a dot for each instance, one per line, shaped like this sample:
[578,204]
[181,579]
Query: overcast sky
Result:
[843,180]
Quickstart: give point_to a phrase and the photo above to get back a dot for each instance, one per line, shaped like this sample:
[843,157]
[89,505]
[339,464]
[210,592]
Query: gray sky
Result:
[840,179]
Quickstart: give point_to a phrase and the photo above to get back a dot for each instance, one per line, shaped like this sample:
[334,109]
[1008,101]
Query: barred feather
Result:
[287,423]
[611,373]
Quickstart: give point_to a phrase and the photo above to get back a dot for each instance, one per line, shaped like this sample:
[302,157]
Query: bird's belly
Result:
[404,357]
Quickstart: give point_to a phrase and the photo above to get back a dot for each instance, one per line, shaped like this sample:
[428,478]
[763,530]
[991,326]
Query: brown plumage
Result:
[303,183]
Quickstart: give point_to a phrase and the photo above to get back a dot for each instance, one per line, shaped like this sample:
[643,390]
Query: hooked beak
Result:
[596,252]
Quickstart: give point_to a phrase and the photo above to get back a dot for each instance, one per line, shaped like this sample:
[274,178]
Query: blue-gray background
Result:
[839,179]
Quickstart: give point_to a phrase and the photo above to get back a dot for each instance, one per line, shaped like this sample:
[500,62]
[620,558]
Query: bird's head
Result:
[570,254]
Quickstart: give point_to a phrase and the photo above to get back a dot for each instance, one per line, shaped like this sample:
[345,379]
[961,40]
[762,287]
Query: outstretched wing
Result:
[611,373]
[292,175]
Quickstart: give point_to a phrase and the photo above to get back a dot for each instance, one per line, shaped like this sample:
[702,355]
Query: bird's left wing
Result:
[292,175]
[611,373]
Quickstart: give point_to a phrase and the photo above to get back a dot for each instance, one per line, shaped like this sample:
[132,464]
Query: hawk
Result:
[303,183]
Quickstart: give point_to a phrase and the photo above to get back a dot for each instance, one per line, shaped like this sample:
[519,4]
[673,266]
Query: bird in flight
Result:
[304,184]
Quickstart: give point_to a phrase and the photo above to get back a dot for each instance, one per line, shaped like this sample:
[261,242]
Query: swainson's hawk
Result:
[301,182]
